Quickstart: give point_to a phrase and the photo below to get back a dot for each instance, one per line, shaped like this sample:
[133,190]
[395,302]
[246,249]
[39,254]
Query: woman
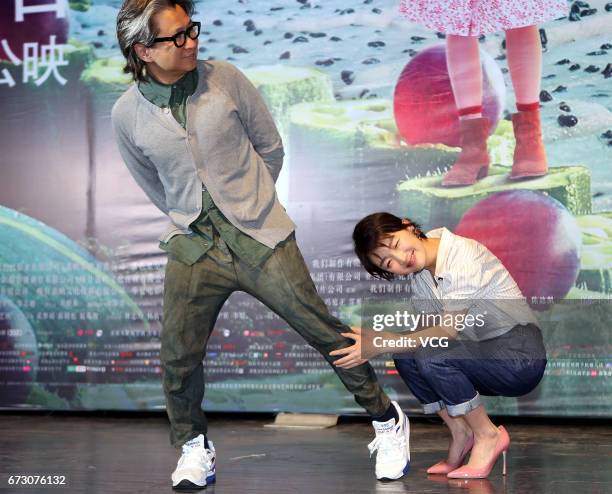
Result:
[463,21]
[502,356]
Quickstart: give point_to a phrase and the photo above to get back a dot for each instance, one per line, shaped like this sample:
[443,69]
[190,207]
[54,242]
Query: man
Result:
[199,140]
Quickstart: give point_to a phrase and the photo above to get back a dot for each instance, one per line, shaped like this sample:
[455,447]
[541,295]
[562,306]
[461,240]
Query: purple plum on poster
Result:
[535,237]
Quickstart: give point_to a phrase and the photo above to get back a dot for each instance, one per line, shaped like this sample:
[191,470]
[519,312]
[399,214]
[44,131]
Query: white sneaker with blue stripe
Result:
[196,466]
[392,444]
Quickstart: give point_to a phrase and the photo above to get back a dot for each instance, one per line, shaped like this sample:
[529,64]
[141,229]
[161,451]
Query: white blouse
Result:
[469,277]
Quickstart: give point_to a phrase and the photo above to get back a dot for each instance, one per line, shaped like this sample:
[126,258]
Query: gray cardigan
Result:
[230,144]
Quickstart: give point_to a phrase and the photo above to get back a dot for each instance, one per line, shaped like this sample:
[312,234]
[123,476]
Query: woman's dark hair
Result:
[135,25]
[371,231]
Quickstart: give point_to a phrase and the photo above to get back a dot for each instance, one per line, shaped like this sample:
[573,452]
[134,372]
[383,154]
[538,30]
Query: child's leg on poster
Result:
[525,62]
[463,64]
[524,55]
[465,73]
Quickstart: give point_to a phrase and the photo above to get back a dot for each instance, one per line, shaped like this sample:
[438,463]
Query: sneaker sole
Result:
[188,486]
[404,472]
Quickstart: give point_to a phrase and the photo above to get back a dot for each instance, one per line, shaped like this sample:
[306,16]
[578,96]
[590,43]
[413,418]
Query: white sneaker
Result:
[196,466]
[393,445]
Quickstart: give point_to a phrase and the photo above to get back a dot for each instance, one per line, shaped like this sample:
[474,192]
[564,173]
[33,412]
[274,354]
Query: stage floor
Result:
[131,454]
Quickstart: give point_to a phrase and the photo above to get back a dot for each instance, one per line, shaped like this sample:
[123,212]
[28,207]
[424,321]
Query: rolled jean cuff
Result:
[465,407]
[434,407]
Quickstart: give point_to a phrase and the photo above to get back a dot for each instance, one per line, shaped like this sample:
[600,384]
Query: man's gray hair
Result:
[135,25]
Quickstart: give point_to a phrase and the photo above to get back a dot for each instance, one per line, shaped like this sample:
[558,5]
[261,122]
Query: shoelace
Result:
[386,443]
[196,455]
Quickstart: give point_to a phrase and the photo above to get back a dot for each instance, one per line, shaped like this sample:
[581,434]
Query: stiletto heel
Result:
[466,472]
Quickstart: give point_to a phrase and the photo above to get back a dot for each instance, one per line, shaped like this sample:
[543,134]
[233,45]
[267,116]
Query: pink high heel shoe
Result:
[443,467]
[465,472]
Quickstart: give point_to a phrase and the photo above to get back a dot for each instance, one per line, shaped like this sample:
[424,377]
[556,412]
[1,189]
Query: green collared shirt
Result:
[173,96]
[190,248]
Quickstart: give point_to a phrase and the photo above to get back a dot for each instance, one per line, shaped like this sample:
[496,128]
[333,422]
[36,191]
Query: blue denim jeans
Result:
[510,365]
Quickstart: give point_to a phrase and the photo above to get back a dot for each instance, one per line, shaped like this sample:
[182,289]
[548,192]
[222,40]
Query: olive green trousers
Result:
[193,297]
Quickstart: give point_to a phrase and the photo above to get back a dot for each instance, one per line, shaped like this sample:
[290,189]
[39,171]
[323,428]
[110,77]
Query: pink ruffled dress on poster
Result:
[476,17]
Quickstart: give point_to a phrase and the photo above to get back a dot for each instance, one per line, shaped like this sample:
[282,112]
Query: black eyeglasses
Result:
[179,39]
